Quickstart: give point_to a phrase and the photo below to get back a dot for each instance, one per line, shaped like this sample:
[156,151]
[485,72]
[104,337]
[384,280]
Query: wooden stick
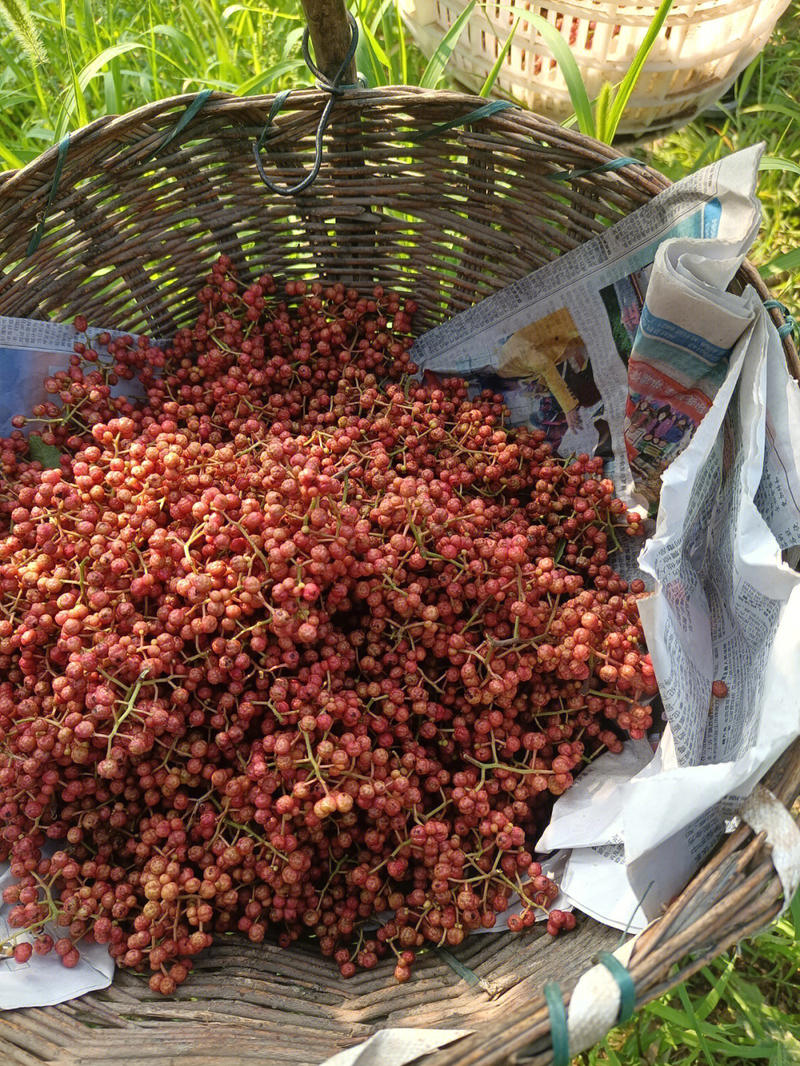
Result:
[330,35]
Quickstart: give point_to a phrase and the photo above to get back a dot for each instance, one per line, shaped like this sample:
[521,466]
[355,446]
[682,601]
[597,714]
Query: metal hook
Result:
[334,88]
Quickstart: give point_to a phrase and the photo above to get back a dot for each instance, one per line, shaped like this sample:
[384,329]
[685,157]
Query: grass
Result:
[763,106]
[742,1008]
[75,61]
[100,57]
[105,57]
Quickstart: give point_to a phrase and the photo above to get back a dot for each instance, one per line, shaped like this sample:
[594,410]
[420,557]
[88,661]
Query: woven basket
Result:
[695,60]
[126,240]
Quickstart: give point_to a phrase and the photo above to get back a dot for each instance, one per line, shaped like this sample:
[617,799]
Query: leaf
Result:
[794,910]
[76,92]
[717,987]
[785,261]
[87,73]
[562,54]
[601,109]
[377,14]
[17,15]
[380,55]
[367,62]
[401,37]
[432,74]
[46,454]
[491,78]
[78,98]
[262,82]
[746,77]
[628,83]
[778,162]
[389,31]
[10,158]
[787,110]
[695,1023]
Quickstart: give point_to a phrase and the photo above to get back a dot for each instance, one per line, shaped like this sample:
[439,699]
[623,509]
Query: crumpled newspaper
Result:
[43,981]
[395,1047]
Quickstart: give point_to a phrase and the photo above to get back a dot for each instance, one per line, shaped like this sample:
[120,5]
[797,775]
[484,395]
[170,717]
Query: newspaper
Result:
[30,352]
[630,347]
[42,981]
[559,342]
[395,1047]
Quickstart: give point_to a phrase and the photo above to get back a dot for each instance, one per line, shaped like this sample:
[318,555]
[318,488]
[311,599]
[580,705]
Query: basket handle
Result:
[331,35]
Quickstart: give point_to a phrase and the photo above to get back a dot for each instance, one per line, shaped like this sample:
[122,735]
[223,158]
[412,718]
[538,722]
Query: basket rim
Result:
[626,12]
[308,99]
[514,119]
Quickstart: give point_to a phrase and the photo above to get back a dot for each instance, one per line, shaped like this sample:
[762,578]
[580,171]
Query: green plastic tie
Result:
[559,1033]
[789,326]
[37,234]
[277,104]
[610,164]
[458,967]
[627,989]
[187,116]
[485,111]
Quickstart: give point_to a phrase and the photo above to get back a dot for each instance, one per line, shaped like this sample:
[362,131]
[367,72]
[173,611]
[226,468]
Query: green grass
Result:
[76,61]
[743,1008]
[101,57]
[764,106]
[106,57]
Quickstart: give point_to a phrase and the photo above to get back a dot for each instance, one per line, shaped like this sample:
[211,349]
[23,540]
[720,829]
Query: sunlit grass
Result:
[764,106]
[106,57]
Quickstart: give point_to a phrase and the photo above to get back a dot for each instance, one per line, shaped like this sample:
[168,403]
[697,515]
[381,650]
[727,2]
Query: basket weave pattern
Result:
[127,240]
[695,60]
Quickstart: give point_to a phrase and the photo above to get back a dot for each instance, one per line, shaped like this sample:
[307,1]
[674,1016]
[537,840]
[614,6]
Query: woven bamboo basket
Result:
[126,239]
[705,45]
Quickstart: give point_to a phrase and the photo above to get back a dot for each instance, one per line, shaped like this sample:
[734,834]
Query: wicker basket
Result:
[127,239]
[696,58]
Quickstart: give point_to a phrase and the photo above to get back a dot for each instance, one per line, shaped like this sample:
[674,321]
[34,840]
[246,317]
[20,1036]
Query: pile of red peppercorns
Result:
[294,641]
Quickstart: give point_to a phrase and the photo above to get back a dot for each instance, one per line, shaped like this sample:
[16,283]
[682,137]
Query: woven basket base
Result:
[259,1003]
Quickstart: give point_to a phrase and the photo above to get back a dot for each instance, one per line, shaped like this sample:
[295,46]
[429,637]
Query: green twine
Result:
[559,1034]
[187,116]
[559,1031]
[485,111]
[277,104]
[789,326]
[37,234]
[458,967]
[627,989]
[610,164]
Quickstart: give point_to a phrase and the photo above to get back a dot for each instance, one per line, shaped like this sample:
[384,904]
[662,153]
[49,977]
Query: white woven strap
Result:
[594,1004]
[766,814]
